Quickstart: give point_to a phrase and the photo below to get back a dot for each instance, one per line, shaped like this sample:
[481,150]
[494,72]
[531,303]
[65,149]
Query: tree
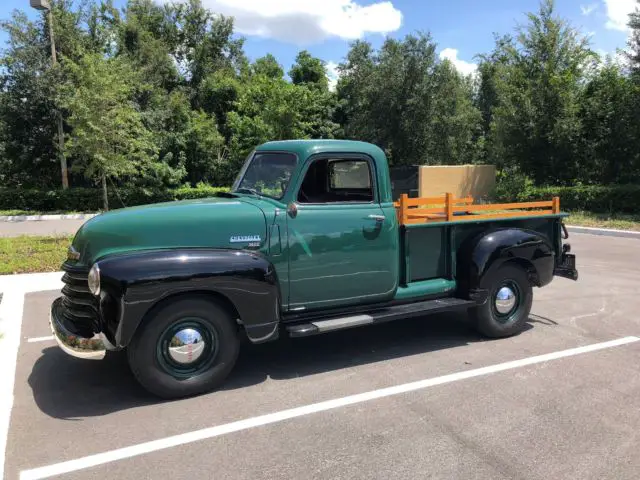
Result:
[146,37]
[204,42]
[217,96]
[634,40]
[456,124]
[403,99]
[610,151]
[266,109]
[270,108]
[205,149]
[535,124]
[28,106]
[309,71]
[486,98]
[108,136]
[267,66]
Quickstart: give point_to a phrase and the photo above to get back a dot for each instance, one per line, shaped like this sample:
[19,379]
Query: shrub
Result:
[90,199]
[591,198]
[512,185]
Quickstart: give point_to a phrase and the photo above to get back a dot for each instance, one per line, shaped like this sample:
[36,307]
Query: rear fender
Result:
[480,255]
[136,282]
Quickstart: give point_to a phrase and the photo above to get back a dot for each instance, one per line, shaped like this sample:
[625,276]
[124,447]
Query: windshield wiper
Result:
[247,190]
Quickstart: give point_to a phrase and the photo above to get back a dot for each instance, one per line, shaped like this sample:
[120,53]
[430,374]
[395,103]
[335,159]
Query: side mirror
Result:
[292,209]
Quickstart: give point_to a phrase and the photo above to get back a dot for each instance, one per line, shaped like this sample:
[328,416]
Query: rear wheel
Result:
[507,308]
[187,347]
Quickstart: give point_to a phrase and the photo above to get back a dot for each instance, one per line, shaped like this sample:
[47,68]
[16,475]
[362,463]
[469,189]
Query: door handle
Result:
[377,218]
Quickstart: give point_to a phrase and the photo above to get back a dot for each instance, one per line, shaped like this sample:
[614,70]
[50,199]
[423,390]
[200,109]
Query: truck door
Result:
[343,246]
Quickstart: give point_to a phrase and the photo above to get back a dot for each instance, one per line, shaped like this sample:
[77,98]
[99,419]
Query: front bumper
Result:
[93,348]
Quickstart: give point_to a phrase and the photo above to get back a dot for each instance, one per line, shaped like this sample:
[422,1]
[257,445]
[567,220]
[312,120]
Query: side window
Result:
[335,180]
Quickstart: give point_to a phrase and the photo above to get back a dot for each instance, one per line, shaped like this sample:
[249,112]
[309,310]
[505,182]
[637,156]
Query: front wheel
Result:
[508,305]
[185,348]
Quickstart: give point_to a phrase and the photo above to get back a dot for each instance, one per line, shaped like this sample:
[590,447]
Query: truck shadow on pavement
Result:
[69,388]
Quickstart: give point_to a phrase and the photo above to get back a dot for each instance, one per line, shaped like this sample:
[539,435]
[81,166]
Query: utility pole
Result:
[44,5]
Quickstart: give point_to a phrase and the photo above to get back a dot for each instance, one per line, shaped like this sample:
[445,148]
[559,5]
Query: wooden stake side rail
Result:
[451,209]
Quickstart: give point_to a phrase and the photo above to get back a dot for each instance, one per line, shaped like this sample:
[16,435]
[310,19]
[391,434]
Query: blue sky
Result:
[461,28]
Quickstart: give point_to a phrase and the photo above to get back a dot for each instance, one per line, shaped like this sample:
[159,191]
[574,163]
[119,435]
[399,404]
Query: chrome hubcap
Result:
[186,346]
[505,300]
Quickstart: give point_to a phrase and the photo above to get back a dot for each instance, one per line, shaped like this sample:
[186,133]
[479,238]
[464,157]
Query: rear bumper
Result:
[93,348]
[566,267]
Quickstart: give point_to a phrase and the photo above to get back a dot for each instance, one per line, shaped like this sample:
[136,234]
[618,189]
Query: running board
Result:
[398,312]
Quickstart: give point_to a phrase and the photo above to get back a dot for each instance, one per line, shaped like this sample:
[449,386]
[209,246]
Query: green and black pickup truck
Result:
[308,240]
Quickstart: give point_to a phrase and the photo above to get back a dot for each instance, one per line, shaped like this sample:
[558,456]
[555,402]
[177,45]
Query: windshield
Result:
[266,173]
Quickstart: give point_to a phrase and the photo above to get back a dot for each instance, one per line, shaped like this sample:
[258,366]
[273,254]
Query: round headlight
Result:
[94,279]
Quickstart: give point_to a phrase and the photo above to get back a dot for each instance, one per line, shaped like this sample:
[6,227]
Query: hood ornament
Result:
[72,253]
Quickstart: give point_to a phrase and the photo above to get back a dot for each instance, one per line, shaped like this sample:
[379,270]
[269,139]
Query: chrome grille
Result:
[80,306]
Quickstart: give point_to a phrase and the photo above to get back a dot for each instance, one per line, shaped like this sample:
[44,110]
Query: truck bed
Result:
[432,230]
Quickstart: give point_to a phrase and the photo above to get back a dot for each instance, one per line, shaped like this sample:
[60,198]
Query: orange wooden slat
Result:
[427,216]
[422,211]
[503,206]
[449,206]
[403,209]
[533,213]
[412,202]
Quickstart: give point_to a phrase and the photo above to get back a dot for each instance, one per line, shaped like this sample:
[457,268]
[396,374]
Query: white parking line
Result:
[190,437]
[11,310]
[13,289]
[31,282]
[40,339]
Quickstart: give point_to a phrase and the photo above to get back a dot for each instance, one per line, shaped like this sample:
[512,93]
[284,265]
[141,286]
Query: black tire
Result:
[488,320]
[154,367]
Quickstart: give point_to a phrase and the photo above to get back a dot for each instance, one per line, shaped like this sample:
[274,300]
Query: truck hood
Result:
[212,222]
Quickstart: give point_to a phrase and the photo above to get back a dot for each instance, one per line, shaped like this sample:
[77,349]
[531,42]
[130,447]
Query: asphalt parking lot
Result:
[42,227]
[574,417]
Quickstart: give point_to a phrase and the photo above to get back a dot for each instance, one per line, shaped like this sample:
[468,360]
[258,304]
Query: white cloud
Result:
[451,54]
[332,74]
[618,12]
[304,22]
[588,9]
[617,57]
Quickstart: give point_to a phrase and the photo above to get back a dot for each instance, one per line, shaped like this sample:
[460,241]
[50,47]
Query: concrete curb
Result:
[39,218]
[607,232]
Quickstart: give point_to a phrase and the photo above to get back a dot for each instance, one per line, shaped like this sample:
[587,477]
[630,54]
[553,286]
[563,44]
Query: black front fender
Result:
[480,255]
[136,282]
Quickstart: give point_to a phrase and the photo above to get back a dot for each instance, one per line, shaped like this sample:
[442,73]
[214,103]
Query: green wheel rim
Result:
[187,348]
[506,301]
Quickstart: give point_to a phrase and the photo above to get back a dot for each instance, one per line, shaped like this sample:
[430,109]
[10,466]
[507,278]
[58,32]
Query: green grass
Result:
[603,220]
[28,254]
[35,212]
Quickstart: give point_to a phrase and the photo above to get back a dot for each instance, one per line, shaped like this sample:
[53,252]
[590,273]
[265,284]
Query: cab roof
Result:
[305,148]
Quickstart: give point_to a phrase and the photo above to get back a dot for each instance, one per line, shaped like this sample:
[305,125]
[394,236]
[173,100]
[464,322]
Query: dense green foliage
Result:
[402,98]
[591,198]
[155,97]
[88,200]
